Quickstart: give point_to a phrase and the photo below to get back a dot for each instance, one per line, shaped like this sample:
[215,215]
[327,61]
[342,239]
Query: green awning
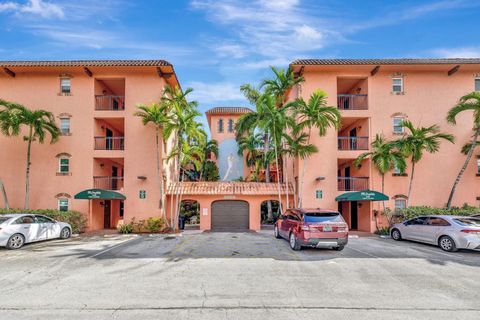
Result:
[365,195]
[100,194]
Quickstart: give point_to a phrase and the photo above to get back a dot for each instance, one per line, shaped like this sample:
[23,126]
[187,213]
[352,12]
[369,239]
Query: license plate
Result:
[327,229]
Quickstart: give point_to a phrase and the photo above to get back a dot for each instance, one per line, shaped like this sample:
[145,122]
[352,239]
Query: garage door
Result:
[230,215]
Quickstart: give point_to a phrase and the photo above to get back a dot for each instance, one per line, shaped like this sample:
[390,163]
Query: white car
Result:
[18,229]
[448,232]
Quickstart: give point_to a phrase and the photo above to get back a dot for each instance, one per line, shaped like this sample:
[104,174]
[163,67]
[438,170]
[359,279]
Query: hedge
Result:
[74,218]
[412,212]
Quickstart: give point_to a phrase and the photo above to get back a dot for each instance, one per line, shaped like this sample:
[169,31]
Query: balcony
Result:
[108,183]
[352,183]
[109,102]
[352,143]
[352,101]
[109,143]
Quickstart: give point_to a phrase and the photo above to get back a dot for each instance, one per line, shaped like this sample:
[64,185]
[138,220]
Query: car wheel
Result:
[447,244]
[396,235]
[294,243]
[65,233]
[15,242]
[276,233]
[339,248]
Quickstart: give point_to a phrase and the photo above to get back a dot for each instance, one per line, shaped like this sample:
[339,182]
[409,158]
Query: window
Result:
[478,165]
[318,194]
[477,84]
[220,125]
[396,170]
[400,204]
[437,222]
[65,86]
[397,85]
[230,125]
[43,219]
[416,221]
[24,220]
[65,126]
[64,165]
[398,125]
[122,208]
[63,204]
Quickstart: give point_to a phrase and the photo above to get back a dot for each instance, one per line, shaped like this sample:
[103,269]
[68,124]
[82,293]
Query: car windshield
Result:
[3,219]
[468,222]
[322,217]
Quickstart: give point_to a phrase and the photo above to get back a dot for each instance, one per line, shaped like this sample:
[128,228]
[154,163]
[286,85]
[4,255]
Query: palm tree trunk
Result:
[159,173]
[411,183]
[304,169]
[464,167]
[285,174]
[27,175]
[4,194]
[295,197]
[267,174]
[278,173]
[383,202]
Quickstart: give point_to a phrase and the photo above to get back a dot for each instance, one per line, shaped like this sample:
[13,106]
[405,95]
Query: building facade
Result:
[105,156]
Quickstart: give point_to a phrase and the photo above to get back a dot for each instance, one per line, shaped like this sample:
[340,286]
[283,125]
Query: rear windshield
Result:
[322,217]
[3,219]
[468,222]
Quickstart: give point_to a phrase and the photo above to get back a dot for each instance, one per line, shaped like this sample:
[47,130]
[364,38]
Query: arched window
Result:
[397,121]
[63,163]
[63,201]
[400,202]
[220,125]
[230,125]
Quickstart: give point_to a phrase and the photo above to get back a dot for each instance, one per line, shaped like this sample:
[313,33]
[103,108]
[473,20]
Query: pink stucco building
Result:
[104,147]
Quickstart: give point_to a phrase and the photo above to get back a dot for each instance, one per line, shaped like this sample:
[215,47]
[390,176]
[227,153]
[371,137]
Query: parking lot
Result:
[236,276]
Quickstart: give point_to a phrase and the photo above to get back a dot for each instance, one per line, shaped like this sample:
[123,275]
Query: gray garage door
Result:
[230,215]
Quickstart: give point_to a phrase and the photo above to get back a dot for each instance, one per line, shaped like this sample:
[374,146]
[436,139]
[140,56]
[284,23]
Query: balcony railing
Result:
[109,143]
[352,183]
[104,102]
[352,143]
[108,183]
[352,101]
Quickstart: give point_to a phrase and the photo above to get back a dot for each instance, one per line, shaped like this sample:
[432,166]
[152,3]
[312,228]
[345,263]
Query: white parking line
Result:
[113,247]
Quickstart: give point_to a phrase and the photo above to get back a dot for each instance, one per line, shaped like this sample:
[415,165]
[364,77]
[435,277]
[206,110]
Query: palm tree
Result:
[250,146]
[471,102]
[4,195]
[385,156]
[282,82]
[417,141]
[314,114]
[296,146]
[39,124]
[156,114]
[210,149]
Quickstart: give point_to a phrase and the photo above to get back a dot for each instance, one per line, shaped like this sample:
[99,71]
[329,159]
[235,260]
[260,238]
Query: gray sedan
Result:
[450,233]
[18,229]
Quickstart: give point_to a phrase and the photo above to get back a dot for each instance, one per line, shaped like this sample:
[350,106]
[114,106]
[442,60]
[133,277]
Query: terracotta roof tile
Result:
[87,63]
[400,61]
[227,188]
[229,110]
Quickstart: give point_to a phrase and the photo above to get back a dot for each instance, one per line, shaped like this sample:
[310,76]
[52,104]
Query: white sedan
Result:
[18,229]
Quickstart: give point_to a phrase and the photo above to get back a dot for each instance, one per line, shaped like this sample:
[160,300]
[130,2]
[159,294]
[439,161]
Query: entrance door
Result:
[230,215]
[108,139]
[353,215]
[353,140]
[347,181]
[106,214]
[114,176]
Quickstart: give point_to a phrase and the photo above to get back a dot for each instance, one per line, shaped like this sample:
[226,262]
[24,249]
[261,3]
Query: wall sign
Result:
[205,211]
[142,194]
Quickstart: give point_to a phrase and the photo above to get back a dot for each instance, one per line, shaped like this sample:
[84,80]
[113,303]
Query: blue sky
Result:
[216,46]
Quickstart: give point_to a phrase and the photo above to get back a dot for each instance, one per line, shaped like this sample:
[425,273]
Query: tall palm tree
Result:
[210,149]
[281,83]
[250,146]
[4,195]
[384,156]
[39,124]
[314,114]
[156,114]
[417,141]
[296,146]
[470,102]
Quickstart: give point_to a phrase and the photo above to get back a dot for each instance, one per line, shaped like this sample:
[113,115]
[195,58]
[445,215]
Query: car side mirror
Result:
[284,217]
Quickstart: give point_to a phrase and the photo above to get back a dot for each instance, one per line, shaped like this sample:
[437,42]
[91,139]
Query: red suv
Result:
[312,228]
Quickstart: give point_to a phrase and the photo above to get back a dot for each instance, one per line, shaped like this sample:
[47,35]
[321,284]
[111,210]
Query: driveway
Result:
[236,276]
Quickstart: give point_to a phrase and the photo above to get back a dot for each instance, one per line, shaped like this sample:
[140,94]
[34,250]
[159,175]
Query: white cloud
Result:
[460,52]
[208,93]
[34,7]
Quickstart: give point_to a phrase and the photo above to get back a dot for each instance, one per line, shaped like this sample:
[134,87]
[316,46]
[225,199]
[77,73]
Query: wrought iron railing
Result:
[109,143]
[108,183]
[109,102]
[352,183]
[352,143]
[352,101]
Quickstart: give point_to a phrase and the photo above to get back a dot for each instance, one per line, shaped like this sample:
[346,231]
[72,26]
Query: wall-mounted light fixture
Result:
[142,178]
[319,178]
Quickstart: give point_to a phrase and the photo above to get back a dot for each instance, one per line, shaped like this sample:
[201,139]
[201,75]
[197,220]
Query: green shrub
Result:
[125,228]
[155,224]
[76,219]
[385,231]
[412,212]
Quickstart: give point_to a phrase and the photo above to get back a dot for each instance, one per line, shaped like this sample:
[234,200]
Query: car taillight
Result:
[470,231]
[342,229]
[304,228]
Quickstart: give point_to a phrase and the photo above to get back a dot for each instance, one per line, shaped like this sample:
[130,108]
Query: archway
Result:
[190,211]
[264,211]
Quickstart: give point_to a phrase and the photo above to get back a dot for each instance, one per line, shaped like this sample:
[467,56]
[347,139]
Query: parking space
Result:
[242,275]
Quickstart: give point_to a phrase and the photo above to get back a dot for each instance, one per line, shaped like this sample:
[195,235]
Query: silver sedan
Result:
[450,233]
[18,229]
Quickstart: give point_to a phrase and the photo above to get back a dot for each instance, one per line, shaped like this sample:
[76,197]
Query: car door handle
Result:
[26,227]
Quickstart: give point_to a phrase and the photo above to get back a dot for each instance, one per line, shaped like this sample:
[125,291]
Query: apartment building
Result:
[374,96]
[104,163]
